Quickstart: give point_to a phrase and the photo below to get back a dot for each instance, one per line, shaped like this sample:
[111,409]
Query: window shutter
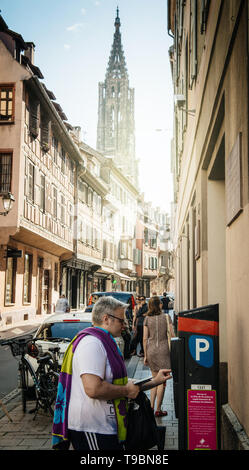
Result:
[37,182]
[34,111]
[45,133]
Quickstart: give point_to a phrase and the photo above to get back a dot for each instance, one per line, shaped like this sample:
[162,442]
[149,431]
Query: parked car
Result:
[126,297]
[59,329]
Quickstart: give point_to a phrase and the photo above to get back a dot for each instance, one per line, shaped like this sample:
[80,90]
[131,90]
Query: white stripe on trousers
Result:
[92,441]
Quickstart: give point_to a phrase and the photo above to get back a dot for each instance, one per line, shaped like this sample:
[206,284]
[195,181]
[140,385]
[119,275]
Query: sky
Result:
[73,42]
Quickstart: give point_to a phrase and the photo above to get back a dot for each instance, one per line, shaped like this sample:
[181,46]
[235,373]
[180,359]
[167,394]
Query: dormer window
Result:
[6,103]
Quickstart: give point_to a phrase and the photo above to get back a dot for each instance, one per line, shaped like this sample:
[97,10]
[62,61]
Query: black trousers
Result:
[82,440]
[138,339]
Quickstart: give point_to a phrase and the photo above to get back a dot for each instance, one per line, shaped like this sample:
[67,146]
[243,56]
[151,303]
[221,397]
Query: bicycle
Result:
[45,378]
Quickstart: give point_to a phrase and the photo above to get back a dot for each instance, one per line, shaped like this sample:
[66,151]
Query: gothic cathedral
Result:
[116,127]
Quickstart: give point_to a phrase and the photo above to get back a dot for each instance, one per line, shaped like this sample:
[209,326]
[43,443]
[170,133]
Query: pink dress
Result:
[158,353]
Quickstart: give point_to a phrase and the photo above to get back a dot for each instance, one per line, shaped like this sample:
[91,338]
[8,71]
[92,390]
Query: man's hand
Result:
[162,376]
[132,390]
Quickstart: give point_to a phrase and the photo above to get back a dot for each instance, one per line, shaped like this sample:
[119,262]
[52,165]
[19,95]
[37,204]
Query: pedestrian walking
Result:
[138,339]
[165,303]
[156,348]
[133,344]
[62,304]
[92,400]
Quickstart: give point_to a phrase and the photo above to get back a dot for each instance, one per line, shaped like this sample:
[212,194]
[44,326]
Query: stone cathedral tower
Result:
[116,127]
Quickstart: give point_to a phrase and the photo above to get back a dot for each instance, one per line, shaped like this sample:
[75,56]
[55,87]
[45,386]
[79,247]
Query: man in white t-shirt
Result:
[91,415]
[62,304]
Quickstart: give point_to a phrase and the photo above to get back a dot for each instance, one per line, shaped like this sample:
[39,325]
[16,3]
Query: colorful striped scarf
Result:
[60,435]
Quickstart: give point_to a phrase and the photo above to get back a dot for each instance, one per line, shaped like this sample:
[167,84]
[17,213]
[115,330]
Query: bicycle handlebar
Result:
[7,342]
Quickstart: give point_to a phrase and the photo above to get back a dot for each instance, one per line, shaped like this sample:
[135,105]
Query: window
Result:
[71,172]
[54,202]
[90,197]
[5,172]
[34,116]
[82,191]
[63,160]
[62,209]
[55,149]
[56,276]
[27,278]
[71,216]
[99,205]
[42,193]
[6,103]
[45,132]
[10,281]
[30,180]
[146,236]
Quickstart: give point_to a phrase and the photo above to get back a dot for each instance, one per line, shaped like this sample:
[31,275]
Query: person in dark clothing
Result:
[139,327]
[165,301]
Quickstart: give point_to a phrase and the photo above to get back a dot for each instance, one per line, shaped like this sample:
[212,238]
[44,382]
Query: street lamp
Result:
[7,200]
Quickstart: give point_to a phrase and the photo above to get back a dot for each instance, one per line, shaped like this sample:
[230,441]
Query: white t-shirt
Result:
[85,413]
[61,305]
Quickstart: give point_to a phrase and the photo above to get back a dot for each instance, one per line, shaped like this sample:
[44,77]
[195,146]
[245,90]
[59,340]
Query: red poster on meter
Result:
[202,419]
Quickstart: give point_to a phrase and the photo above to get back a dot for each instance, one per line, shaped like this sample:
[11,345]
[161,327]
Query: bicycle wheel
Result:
[47,390]
[24,371]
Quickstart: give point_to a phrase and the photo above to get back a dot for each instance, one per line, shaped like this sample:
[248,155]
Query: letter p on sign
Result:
[202,345]
[202,350]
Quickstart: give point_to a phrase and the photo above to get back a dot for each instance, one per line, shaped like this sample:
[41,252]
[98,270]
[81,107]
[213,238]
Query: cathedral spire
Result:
[116,124]
[117,23]
[116,66]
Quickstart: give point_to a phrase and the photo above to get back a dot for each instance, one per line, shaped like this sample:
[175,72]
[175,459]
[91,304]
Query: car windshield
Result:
[121,296]
[65,329]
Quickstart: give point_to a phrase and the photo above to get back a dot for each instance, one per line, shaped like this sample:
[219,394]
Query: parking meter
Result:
[195,371]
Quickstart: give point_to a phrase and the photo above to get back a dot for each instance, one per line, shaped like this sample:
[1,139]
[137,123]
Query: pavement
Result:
[20,431]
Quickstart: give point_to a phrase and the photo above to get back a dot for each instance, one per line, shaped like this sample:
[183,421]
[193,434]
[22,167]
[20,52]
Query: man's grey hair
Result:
[105,305]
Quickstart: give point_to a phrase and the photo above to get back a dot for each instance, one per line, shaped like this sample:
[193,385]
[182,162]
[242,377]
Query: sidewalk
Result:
[25,433]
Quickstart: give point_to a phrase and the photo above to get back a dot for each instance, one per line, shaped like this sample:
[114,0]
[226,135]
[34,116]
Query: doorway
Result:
[74,291]
[45,291]
[216,233]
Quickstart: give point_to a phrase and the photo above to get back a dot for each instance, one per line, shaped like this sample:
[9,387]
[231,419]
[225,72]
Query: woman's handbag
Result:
[142,430]
[168,330]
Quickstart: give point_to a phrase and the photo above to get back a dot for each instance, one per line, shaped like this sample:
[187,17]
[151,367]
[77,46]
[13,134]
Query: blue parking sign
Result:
[202,349]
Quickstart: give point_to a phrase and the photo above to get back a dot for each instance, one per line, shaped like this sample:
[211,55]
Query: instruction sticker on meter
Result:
[202,419]
[202,350]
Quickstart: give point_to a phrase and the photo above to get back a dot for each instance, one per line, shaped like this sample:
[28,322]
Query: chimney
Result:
[77,132]
[30,52]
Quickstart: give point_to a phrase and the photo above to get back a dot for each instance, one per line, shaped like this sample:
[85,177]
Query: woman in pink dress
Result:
[156,348]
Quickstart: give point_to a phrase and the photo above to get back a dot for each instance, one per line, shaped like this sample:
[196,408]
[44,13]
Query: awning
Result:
[122,275]
[104,270]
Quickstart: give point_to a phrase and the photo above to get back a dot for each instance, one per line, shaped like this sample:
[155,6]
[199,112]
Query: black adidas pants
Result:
[82,440]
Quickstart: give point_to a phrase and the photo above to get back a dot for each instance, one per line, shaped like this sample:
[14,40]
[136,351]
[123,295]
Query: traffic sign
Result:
[202,350]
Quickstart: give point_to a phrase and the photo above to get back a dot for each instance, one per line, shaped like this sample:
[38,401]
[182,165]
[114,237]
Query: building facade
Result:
[38,165]
[209,59]
[73,228]
[152,255]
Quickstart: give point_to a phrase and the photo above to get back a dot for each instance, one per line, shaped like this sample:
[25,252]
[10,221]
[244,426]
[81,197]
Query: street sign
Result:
[13,253]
